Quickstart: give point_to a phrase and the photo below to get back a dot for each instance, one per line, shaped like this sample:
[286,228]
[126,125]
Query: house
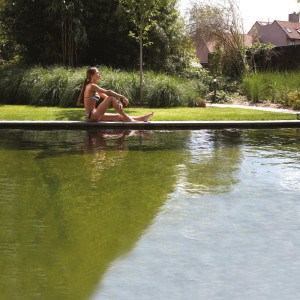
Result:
[205,48]
[278,33]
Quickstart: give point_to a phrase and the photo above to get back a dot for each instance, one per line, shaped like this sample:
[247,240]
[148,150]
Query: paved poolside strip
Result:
[155,125]
[263,108]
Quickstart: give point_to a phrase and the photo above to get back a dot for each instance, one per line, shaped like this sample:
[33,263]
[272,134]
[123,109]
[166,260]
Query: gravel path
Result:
[258,107]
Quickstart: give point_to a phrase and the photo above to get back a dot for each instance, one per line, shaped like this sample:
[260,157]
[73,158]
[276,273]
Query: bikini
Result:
[96,98]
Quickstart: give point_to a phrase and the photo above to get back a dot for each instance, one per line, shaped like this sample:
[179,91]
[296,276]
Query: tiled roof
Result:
[211,44]
[261,23]
[292,29]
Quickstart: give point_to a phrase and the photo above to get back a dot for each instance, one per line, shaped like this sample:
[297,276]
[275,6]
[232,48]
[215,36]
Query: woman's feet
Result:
[143,118]
[147,117]
[128,119]
[138,119]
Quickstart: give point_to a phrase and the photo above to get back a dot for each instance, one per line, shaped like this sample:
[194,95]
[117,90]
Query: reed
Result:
[125,83]
[30,78]
[272,86]
[59,86]
[72,87]
[10,79]
[169,91]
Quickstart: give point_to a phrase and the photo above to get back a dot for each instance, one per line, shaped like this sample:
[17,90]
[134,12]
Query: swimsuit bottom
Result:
[89,115]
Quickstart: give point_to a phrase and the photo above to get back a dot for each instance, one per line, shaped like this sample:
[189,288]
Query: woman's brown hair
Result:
[89,73]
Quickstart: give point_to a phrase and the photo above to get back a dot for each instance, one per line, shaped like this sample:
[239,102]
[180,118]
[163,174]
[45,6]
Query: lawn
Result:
[22,112]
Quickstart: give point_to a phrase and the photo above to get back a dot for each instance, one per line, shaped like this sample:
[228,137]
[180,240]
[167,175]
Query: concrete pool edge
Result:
[154,125]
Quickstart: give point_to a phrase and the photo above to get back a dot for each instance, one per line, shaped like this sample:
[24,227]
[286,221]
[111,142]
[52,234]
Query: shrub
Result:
[198,103]
[59,86]
[72,88]
[221,96]
[296,105]
[169,91]
[48,90]
[273,86]
[126,83]
[30,77]
[293,100]
[164,93]
[10,79]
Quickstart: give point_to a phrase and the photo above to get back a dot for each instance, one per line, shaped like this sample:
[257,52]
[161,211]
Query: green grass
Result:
[22,112]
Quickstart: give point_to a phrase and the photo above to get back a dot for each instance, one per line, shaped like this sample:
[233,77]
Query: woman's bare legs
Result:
[101,114]
[143,118]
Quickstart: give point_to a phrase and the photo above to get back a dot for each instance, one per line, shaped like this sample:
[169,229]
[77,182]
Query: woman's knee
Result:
[111,99]
[117,104]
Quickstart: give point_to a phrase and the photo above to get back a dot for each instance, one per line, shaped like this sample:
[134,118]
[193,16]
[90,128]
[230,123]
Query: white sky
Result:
[258,10]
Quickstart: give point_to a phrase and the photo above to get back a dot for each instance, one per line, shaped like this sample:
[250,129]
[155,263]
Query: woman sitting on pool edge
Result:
[91,93]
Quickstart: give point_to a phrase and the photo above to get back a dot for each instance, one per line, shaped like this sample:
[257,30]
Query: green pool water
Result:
[150,215]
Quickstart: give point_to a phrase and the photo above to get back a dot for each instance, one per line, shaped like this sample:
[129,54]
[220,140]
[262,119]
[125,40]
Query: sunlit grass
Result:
[22,112]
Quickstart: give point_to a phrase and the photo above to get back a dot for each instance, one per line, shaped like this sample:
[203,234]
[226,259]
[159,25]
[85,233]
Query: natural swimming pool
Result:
[208,214]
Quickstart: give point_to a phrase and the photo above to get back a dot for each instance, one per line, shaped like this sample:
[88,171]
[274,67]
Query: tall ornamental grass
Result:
[168,91]
[59,86]
[277,87]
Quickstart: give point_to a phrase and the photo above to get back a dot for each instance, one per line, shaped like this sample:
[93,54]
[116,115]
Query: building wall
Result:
[202,52]
[272,33]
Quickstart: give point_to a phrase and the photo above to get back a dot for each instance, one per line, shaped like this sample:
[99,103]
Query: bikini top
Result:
[95,97]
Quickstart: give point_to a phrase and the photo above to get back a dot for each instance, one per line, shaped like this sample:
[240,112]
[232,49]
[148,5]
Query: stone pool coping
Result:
[154,125]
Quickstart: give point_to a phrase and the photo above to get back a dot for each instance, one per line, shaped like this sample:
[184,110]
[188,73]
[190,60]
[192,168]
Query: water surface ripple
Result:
[150,215]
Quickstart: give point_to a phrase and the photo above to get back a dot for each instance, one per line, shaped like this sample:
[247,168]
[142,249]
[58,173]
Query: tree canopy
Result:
[77,32]
[219,23]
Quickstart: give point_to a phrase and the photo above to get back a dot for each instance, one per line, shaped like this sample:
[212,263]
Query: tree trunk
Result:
[141,63]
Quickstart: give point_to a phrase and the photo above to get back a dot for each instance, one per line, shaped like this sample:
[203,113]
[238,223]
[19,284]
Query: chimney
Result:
[294,17]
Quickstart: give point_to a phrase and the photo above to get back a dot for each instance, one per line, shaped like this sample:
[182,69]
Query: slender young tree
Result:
[142,15]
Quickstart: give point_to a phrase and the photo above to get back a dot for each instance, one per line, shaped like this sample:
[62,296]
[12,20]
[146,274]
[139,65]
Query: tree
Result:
[107,33]
[221,24]
[22,23]
[259,55]
[49,31]
[95,32]
[171,49]
[142,14]
[67,18]
[7,45]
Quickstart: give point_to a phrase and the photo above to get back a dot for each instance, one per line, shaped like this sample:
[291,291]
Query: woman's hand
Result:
[120,106]
[125,100]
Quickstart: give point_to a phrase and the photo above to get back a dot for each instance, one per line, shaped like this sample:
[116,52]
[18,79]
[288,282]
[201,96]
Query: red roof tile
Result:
[290,28]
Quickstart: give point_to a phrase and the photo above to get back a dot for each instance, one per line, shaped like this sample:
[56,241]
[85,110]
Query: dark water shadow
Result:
[66,218]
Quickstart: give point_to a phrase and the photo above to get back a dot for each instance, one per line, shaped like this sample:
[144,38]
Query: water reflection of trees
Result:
[214,159]
[75,201]
[273,139]
[60,232]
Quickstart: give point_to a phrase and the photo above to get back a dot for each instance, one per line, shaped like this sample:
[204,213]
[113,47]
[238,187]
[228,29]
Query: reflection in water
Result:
[214,159]
[112,139]
[106,149]
[149,215]
[65,215]
[243,244]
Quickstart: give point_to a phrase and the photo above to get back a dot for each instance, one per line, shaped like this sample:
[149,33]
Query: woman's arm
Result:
[100,90]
